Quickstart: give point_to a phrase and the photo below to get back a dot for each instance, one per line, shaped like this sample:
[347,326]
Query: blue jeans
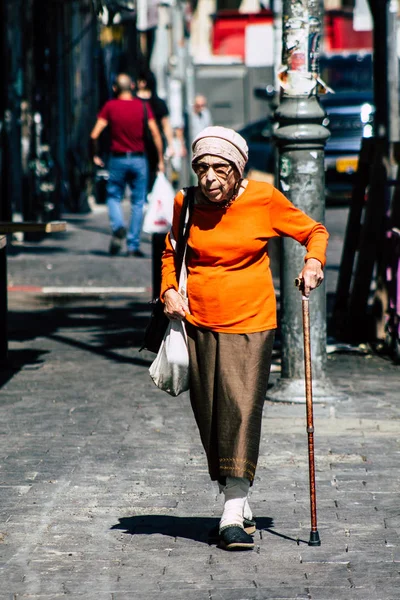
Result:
[134,171]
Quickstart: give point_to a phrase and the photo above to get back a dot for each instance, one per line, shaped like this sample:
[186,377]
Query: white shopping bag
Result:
[170,369]
[158,218]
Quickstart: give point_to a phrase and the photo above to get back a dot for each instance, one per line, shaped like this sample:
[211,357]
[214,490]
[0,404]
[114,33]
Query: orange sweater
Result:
[229,285]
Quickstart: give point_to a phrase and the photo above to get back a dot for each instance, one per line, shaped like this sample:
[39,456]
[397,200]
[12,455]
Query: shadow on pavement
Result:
[199,529]
[15,250]
[20,359]
[83,225]
[101,253]
[110,330]
[285,537]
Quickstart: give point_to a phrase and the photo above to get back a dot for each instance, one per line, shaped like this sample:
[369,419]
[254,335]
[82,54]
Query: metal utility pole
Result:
[300,139]
[393,71]
[159,58]
[61,87]
[11,109]
[181,80]
[277,10]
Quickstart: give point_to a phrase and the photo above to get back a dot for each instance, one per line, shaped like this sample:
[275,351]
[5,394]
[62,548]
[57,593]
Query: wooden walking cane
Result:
[314,535]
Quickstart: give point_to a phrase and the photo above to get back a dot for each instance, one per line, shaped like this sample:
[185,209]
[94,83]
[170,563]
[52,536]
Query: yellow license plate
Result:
[347,164]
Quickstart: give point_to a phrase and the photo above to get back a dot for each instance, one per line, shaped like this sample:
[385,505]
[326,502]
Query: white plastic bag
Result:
[158,218]
[170,369]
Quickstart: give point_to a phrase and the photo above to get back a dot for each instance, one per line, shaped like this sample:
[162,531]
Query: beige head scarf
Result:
[223,142]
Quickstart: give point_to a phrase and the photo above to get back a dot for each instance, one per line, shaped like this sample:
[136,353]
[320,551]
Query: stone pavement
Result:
[104,492]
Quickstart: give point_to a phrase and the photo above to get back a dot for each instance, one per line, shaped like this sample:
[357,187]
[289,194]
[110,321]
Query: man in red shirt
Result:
[126,117]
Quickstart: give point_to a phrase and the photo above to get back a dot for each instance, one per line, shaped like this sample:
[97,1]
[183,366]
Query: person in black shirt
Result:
[147,92]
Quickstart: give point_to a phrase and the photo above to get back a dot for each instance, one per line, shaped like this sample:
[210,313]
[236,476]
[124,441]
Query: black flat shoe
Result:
[234,537]
[249,525]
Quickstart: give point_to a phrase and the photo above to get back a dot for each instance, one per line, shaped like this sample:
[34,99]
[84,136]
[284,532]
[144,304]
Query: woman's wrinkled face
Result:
[217,177]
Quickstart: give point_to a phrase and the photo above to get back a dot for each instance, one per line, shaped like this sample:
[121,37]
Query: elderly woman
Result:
[231,311]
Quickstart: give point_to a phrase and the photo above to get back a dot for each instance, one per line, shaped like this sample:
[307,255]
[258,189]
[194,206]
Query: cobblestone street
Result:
[104,490]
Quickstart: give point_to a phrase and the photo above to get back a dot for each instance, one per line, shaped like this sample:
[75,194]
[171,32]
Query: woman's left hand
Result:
[311,276]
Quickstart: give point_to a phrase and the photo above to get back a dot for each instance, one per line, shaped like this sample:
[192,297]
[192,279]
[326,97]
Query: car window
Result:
[347,73]
[351,120]
[345,126]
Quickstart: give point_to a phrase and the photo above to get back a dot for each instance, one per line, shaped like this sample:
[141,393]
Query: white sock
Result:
[247,511]
[235,490]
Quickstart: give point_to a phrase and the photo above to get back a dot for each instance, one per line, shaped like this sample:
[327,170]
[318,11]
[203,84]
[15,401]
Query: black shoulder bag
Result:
[158,323]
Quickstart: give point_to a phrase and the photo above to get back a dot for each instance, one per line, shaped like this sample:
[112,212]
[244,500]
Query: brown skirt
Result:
[228,382]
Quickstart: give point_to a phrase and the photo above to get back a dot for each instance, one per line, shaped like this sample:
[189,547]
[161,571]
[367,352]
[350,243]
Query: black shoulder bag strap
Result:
[184,226]
[158,323]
